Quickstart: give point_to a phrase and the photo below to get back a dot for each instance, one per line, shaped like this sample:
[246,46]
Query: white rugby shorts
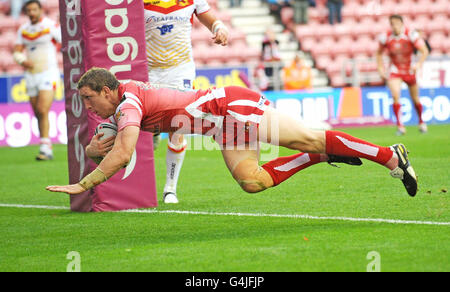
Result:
[46,80]
[181,77]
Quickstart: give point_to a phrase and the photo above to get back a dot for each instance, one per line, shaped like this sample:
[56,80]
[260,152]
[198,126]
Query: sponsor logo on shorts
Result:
[262,100]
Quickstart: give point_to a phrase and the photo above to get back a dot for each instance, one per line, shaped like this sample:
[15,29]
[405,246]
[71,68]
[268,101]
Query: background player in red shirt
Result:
[400,43]
[231,114]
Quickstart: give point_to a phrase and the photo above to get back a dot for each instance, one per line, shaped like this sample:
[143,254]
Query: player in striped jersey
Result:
[168,25]
[38,38]
[235,117]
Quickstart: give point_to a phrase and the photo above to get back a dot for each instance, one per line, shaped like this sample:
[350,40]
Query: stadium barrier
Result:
[99,33]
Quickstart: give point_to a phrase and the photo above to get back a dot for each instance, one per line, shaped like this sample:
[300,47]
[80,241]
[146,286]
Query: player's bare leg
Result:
[41,106]
[282,130]
[414,92]
[243,166]
[293,135]
[253,178]
[395,85]
[176,152]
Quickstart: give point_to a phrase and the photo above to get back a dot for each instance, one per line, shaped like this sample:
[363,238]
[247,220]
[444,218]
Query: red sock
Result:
[282,168]
[397,107]
[419,110]
[339,143]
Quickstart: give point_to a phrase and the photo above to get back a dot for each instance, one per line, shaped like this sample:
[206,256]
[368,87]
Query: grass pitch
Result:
[40,239]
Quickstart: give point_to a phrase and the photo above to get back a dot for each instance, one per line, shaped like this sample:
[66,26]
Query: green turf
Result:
[39,240]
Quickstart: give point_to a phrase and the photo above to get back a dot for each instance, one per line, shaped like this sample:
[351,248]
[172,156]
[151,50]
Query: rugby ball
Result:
[108,129]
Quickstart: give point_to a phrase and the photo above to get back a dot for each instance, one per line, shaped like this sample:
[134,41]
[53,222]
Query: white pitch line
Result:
[294,216]
[34,207]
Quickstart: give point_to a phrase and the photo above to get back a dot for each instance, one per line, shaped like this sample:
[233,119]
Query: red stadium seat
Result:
[213,3]
[201,35]
[420,8]
[14,69]
[220,53]
[324,47]
[308,43]
[200,52]
[343,29]
[349,10]
[4,7]
[324,30]
[51,5]
[366,27]
[318,13]
[304,31]
[8,24]
[364,45]
[379,28]
[343,60]
[367,67]
[8,39]
[334,67]
[436,40]
[7,59]
[237,35]
[251,55]
[440,6]
[233,63]
[421,21]
[441,18]
[337,80]
[438,24]
[446,46]
[214,63]
[236,52]
[343,46]
[361,29]
[224,16]
[322,62]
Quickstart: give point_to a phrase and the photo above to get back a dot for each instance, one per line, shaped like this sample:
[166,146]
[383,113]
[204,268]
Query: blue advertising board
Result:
[377,101]
[341,103]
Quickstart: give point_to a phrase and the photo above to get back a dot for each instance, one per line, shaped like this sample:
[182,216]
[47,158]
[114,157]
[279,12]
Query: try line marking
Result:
[295,216]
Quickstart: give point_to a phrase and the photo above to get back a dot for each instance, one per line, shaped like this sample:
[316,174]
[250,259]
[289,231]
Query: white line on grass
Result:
[294,216]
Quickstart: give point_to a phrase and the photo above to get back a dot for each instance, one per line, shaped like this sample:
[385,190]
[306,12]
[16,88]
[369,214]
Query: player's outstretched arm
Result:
[115,160]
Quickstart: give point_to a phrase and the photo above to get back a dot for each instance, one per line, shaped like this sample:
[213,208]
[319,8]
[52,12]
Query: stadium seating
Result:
[205,53]
[363,21]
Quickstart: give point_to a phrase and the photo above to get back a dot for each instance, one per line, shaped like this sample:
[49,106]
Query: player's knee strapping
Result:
[251,177]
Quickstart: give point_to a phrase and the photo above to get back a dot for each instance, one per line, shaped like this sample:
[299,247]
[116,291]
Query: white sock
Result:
[46,146]
[174,160]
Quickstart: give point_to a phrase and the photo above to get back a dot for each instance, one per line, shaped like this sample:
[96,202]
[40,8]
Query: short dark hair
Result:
[95,78]
[396,16]
[31,2]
